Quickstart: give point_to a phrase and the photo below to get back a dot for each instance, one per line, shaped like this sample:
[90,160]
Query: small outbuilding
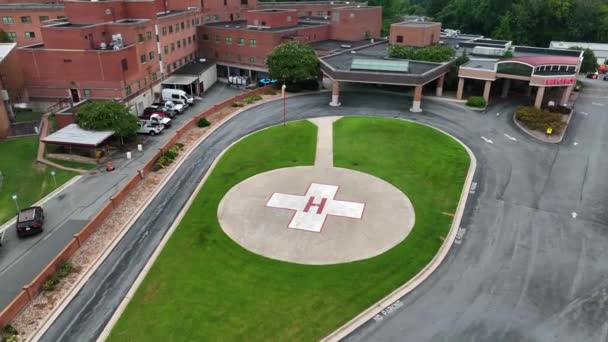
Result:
[78,140]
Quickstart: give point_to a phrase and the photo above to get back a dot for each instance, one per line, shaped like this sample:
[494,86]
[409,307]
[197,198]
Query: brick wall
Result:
[356,23]
[35,15]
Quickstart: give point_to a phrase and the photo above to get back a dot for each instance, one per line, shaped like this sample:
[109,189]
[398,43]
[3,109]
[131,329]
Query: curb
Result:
[411,284]
[52,316]
[52,194]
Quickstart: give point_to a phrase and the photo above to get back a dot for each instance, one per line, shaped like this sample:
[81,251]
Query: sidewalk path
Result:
[22,259]
[325,141]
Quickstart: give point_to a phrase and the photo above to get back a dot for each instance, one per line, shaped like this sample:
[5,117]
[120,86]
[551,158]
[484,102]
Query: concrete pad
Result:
[313,215]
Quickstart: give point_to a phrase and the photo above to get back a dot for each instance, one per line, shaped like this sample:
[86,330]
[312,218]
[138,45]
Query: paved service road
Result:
[523,268]
[68,212]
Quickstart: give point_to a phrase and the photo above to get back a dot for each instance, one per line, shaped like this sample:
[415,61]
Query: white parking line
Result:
[574,214]
[487,140]
[510,137]
[598,104]
[584,113]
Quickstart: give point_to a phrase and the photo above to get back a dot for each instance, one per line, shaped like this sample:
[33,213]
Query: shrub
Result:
[578,86]
[434,53]
[64,269]
[168,157]
[9,330]
[203,122]
[251,99]
[476,101]
[51,283]
[237,104]
[538,119]
[270,91]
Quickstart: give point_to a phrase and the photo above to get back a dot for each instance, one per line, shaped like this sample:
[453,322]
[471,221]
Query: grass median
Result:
[204,286]
[22,175]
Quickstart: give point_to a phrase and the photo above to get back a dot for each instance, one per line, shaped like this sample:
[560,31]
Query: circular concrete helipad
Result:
[316,215]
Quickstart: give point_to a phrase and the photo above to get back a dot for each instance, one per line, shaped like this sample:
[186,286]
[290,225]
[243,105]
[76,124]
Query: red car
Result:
[148,112]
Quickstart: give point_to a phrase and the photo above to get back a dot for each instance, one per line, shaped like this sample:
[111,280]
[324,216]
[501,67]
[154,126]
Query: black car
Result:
[606,77]
[30,221]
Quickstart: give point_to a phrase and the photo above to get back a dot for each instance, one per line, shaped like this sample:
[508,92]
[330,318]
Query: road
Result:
[524,268]
[68,212]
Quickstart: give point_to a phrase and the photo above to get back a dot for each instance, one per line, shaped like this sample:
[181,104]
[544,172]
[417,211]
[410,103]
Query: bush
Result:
[51,283]
[434,53]
[251,99]
[476,101]
[270,91]
[9,330]
[578,86]
[237,104]
[538,119]
[64,269]
[168,157]
[203,122]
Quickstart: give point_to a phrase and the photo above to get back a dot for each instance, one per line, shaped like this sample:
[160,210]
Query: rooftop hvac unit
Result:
[488,51]
[103,46]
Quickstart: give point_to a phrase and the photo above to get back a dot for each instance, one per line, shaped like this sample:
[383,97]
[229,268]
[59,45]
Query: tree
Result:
[392,12]
[428,54]
[108,116]
[4,38]
[589,63]
[293,62]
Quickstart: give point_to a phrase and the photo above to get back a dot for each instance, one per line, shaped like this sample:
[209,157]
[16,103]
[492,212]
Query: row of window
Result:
[183,25]
[238,58]
[28,19]
[228,39]
[129,89]
[180,43]
[13,35]
[555,68]
[178,63]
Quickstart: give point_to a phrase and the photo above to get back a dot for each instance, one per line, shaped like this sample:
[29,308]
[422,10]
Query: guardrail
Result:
[31,290]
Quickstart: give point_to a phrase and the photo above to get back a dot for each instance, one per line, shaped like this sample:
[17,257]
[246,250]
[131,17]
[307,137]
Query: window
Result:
[145,81]
[164,30]
[169,68]
[189,40]
[225,2]
[87,93]
[43,18]
[192,22]
[216,17]
[142,59]
[125,64]
[139,85]
[177,27]
[179,44]
[320,13]
[151,55]
[193,37]
[172,47]
[154,76]
[140,37]
[174,65]
[30,35]
[12,36]
[399,39]
[238,15]
[184,42]
[205,37]
[197,21]
[148,35]
[207,18]
[228,40]
[288,18]
[170,28]
[253,42]
[241,41]
[217,39]
[7,20]
[166,49]
[188,23]
[128,90]
[183,26]
[252,60]
[26,19]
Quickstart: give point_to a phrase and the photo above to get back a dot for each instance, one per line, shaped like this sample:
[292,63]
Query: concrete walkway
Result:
[324,156]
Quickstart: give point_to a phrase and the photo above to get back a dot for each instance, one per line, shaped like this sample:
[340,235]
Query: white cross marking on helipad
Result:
[312,209]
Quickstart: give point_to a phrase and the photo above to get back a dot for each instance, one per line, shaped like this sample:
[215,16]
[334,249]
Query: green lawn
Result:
[204,287]
[23,176]
[27,116]
[73,164]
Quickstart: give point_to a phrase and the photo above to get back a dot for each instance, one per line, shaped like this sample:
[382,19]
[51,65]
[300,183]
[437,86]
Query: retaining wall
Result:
[31,290]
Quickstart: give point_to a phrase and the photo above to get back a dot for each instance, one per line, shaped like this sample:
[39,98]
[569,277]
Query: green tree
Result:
[589,63]
[293,62]
[4,38]
[392,12]
[503,30]
[108,116]
[428,54]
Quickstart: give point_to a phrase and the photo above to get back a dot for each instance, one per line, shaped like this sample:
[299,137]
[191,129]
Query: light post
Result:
[284,105]
[14,197]
[53,173]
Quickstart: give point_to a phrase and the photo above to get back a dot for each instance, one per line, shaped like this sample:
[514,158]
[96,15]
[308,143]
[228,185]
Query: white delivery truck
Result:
[176,96]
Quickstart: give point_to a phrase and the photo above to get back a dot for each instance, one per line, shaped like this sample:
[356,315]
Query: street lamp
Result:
[53,173]
[14,197]
[284,105]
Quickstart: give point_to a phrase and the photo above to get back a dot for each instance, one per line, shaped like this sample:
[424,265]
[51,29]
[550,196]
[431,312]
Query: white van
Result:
[176,95]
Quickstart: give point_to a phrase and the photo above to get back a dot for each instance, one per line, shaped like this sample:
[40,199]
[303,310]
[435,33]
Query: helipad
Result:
[316,214]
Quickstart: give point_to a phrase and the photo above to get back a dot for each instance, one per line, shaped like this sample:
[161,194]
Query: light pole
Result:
[53,173]
[16,203]
[284,105]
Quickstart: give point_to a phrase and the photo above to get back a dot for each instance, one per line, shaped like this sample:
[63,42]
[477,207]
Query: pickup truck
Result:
[158,117]
[170,106]
[150,128]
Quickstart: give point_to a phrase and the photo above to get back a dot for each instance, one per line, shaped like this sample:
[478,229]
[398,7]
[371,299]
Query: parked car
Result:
[592,75]
[605,77]
[169,107]
[159,117]
[150,127]
[175,95]
[266,81]
[156,110]
[30,221]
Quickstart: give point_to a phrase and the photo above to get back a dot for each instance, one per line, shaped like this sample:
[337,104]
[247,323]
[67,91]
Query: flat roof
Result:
[596,47]
[194,68]
[486,64]
[72,134]
[5,49]
[180,79]
[27,5]
[417,23]
[337,45]
[242,25]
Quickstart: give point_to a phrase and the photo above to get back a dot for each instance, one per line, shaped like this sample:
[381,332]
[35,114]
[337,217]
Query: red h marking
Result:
[319,206]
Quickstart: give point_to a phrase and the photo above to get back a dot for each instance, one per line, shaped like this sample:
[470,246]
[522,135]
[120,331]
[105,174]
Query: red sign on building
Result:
[560,81]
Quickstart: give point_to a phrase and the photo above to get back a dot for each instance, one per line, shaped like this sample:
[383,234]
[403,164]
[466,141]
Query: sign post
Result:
[14,197]
[284,105]
[53,173]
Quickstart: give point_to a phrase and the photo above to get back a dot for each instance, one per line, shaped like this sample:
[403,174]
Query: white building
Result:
[600,50]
